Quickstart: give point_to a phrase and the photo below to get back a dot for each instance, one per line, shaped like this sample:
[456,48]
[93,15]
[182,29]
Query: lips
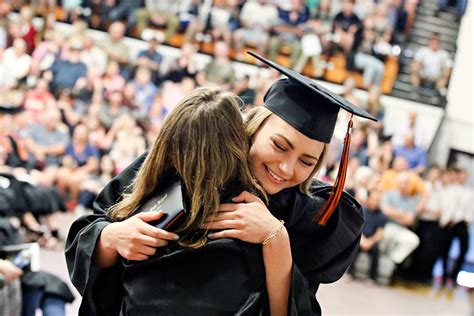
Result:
[273,176]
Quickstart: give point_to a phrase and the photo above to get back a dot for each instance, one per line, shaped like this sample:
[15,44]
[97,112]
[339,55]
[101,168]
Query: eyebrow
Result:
[293,147]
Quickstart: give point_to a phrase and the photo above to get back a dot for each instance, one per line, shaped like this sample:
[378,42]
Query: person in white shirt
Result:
[256,18]
[93,57]
[427,229]
[456,213]
[432,64]
[16,63]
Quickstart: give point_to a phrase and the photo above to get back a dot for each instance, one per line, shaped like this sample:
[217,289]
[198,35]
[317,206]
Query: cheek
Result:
[302,174]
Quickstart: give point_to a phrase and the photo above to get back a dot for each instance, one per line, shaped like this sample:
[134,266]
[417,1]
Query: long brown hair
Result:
[204,141]
[256,117]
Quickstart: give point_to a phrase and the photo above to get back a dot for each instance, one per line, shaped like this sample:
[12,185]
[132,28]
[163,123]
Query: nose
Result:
[287,169]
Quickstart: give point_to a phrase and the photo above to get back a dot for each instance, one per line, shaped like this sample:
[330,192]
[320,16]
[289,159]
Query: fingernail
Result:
[175,237]
[210,235]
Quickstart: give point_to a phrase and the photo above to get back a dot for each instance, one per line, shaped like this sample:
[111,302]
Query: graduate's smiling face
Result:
[281,157]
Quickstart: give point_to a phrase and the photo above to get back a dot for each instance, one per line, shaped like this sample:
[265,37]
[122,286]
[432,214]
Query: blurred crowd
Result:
[75,112]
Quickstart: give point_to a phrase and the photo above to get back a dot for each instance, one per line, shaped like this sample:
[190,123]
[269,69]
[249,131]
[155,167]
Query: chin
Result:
[270,188]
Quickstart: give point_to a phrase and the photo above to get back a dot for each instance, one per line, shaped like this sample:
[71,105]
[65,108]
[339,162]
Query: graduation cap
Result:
[12,110]
[312,110]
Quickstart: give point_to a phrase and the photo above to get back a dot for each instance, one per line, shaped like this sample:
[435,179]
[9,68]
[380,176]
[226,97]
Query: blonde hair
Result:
[204,141]
[257,117]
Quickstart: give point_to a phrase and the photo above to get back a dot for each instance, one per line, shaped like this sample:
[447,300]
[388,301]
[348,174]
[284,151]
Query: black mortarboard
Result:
[305,105]
[312,110]
[10,109]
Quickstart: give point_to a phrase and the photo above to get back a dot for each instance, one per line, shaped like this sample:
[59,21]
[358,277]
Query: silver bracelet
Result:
[274,233]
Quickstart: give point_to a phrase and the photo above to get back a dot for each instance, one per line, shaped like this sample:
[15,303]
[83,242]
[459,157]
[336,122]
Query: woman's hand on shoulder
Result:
[247,219]
[134,238]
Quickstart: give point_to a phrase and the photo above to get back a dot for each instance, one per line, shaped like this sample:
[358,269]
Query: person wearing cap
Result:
[289,135]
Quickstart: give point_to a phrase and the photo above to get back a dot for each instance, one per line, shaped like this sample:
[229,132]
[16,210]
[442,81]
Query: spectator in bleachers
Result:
[129,96]
[77,32]
[398,17]
[71,111]
[37,99]
[172,93]
[416,156]
[27,29]
[365,180]
[114,46]
[257,17]
[51,48]
[162,13]
[125,10]
[245,92]
[98,135]
[197,18]
[94,182]
[314,40]
[102,9]
[410,125]
[81,158]
[364,8]
[321,21]
[13,152]
[399,206]
[218,71]
[224,20]
[112,79]
[374,107]
[432,65]
[346,29]
[93,57]
[109,112]
[184,66]
[359,145]
[151,58]
[64,74]
[456,214]
[388,179]
[366,58]
[15,64]
[288,30]
[129,143]
[145,90]
[47,143]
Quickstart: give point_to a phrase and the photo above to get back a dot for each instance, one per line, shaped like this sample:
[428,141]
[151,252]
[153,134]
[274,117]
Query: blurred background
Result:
[85,85]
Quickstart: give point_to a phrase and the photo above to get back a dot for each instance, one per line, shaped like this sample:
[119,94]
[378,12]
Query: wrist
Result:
[105,254]
[274,233]
[106,242]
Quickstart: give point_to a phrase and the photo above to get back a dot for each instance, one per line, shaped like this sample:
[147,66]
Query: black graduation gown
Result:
[225,277]
[323,253]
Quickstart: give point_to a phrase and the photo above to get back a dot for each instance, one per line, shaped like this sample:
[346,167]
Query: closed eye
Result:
[280,147]
[306,163]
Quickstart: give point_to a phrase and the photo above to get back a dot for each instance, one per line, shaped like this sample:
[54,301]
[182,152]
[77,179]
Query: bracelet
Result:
[274,233]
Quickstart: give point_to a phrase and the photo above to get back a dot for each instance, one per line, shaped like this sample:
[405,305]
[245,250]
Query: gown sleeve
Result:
[338,241]
[321,254]
[81,242]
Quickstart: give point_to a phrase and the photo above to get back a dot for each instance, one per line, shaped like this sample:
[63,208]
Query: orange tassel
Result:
[331,203]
